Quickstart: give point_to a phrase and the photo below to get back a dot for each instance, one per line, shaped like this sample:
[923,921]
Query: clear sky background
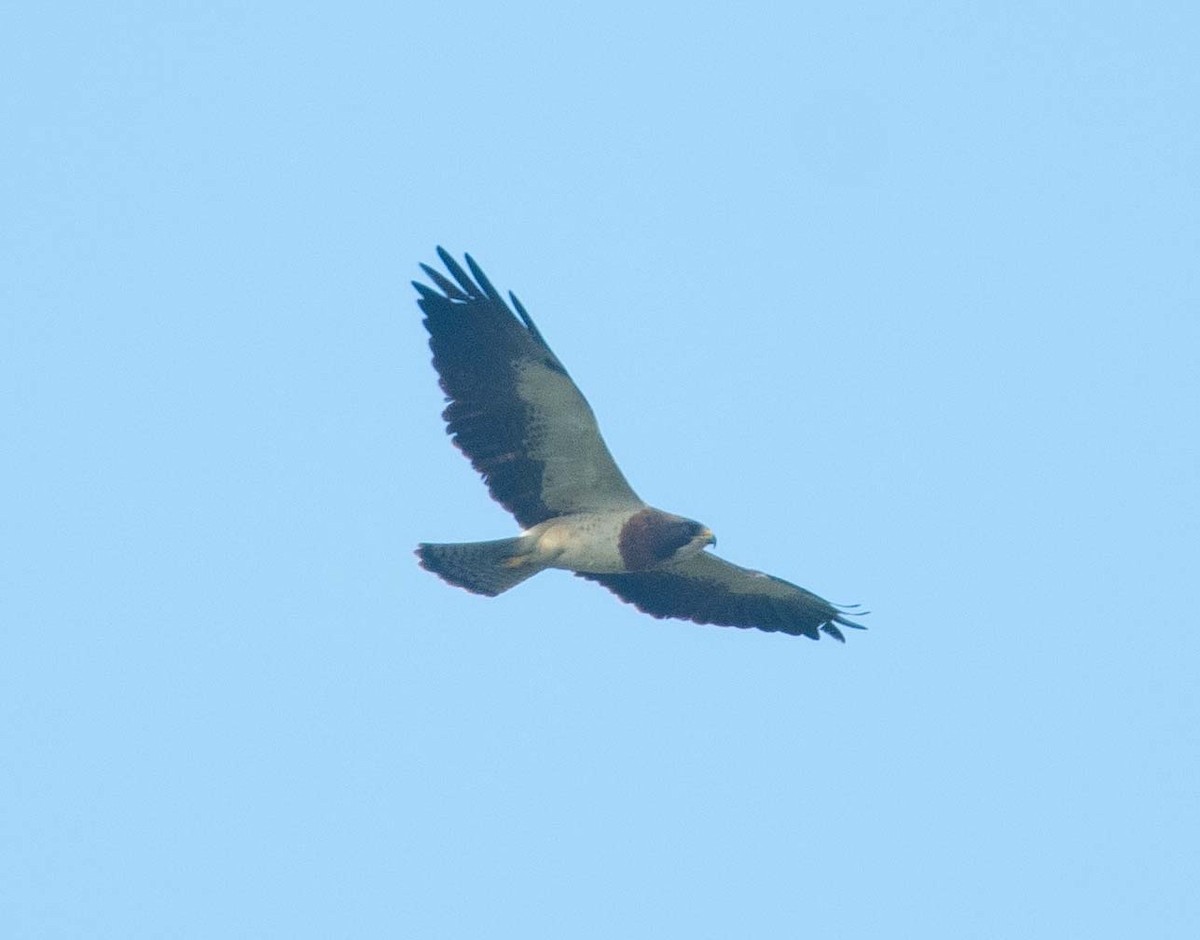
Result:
[900,299]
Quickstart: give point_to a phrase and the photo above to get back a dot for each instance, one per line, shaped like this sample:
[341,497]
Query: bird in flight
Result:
[524,425]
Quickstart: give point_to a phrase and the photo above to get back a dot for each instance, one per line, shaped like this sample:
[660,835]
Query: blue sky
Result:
[900,299]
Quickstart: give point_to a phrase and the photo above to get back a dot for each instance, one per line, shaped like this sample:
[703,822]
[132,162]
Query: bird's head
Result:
[700,537]
[651,537]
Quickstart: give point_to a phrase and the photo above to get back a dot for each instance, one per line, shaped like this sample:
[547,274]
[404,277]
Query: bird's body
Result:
[587,542]
[517,415]
[608,542]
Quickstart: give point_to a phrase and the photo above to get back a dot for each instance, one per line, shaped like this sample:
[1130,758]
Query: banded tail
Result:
[489,568]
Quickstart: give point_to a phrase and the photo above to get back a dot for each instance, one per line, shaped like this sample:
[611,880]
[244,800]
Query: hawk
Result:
[524,425]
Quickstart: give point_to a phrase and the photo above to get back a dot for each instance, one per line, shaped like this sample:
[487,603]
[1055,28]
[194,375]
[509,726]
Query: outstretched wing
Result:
[513,409]
[707,589]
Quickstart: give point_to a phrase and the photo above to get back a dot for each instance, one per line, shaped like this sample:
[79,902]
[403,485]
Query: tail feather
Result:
[481,567]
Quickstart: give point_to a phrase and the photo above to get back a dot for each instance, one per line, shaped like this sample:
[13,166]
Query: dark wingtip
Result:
[851,609]
[482,280]
[425,291]
[830,630]
[456,271]
[448,287]
[520,308]
[527,320]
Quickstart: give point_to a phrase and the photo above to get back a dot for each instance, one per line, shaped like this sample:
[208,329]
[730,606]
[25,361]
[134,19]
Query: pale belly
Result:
[581,543]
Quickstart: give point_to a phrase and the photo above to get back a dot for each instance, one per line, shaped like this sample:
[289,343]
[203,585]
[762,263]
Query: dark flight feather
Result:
[706,589]
[495,370]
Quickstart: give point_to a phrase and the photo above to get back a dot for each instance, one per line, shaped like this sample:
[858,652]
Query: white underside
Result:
[586,542]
